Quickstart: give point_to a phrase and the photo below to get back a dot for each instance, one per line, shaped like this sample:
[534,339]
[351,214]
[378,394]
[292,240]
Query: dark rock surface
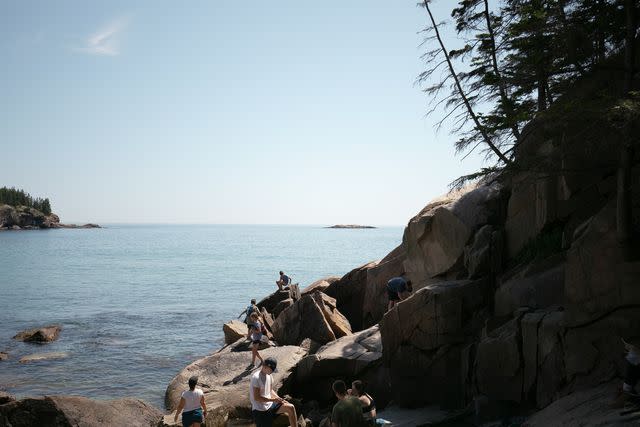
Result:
[41,335]
[73,411]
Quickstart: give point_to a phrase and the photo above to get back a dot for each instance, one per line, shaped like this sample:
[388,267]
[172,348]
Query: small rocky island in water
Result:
[20,211]
[350,226]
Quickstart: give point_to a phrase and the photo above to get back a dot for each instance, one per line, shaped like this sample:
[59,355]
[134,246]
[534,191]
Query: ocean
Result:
[138,303]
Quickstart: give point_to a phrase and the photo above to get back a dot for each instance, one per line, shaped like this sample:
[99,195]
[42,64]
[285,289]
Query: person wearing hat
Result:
[192,401]
[266,405]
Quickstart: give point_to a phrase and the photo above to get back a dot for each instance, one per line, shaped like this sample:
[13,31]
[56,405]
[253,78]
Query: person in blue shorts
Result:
[398,289]
[192,401]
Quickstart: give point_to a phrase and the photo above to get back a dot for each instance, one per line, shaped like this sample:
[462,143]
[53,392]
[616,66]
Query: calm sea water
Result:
[139,302]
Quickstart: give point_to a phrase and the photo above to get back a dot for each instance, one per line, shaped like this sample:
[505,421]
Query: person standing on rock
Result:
[398,289]
[348,411]
[195,408]
[251,308]
[266,405]
[283,282]
[255,335]
[368,405]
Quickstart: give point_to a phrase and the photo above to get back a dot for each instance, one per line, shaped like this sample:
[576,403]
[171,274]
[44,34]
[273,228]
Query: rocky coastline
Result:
[522,293]
[15,218]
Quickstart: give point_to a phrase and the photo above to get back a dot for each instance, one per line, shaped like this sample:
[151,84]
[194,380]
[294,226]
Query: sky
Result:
[284,112]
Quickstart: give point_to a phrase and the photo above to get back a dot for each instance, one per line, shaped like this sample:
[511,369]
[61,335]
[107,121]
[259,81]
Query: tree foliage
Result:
[15,197]
[515,58]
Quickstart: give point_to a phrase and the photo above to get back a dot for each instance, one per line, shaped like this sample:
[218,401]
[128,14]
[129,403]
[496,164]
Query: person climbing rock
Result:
[255,335]
[283,282]
[398,289]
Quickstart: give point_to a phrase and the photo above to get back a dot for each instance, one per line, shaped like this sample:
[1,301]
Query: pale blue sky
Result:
[286,112]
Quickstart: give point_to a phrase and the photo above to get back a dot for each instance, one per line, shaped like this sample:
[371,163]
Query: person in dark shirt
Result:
[348,411]
[284,281]
[398,289]
[368,404]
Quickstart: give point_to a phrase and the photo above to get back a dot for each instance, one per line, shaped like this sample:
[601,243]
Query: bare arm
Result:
[204,405]
[260,398]
[180,407]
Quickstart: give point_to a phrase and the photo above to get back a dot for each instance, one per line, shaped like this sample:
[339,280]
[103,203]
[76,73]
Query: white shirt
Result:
[258,379]
[192,399]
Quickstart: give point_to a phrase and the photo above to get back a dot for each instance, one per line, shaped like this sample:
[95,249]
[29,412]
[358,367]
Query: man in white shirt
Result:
[266,405]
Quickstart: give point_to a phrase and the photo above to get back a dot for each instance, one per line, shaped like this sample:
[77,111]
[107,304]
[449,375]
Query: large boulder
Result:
[67,411]
[375,301]
[349,293]
[6,397]
[425,341]
[313,316]
[320,285]
[435,239]
[41,335]
[357,356]
[225,381]
[233,331]
[271,301]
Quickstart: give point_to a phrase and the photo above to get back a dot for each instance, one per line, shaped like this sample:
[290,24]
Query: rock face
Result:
[320,285]
[435,239]
[271,301]
[349,293]
[233,331]
[41,335]
[312,316]
[67,411]
[225,382]
[597,279]
[590,407]
[425,342]
[537,285]
[357,356]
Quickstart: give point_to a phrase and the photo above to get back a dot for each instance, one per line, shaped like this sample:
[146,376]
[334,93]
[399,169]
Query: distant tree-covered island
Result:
[15,197]
[21,211]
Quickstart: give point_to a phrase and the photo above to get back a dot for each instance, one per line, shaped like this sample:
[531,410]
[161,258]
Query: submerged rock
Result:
[43,356]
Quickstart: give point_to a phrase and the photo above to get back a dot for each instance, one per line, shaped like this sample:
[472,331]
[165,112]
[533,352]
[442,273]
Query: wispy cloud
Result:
[106,41]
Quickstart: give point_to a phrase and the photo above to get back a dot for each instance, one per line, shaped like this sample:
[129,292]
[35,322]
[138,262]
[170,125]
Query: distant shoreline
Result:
[350,226]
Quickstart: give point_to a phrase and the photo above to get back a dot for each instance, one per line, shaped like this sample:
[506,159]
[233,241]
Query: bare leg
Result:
[290,411]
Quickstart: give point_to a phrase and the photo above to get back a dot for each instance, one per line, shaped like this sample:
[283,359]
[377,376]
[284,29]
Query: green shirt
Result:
[348,412]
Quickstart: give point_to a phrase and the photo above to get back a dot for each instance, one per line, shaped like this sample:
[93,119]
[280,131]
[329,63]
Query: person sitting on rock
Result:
[265,402]
[398,289]
[195,408]
[255,335]
[368,405]
[631,373]
[348,411]
[283,282]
